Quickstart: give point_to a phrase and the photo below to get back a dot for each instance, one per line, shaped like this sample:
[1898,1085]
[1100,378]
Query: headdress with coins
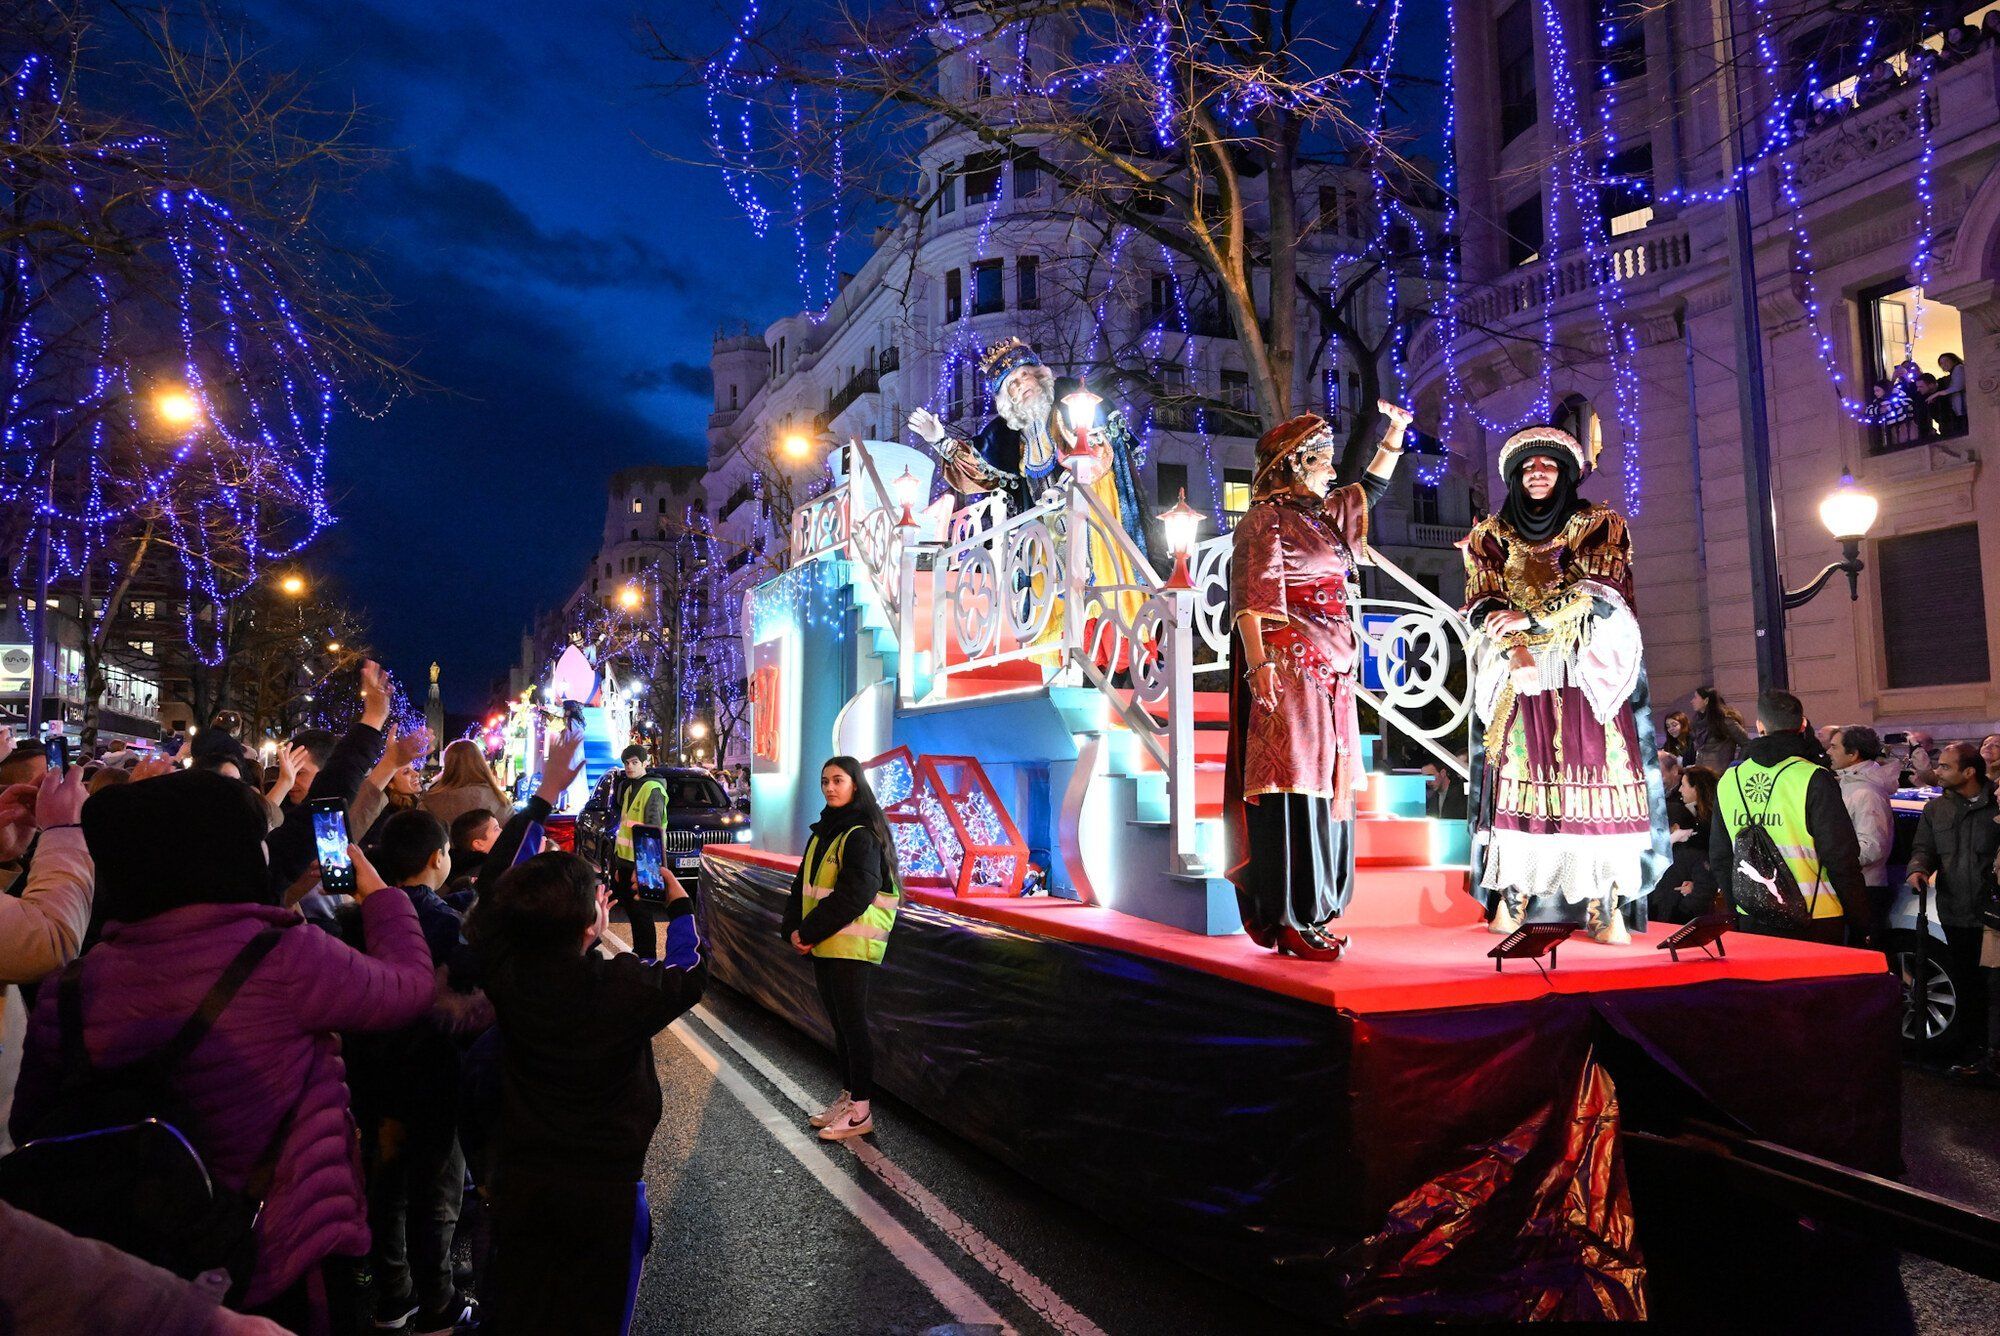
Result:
[1003,359]
[1274,447]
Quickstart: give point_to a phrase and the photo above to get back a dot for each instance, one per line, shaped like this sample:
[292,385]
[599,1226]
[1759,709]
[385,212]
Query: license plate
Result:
[687,860]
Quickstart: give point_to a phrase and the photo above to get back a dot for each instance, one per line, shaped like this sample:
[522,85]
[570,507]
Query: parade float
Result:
[1419,1130]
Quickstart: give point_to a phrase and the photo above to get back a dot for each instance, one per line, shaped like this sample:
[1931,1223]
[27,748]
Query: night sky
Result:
[555,276]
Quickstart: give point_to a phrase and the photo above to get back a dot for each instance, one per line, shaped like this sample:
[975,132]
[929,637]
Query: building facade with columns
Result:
[1839,241]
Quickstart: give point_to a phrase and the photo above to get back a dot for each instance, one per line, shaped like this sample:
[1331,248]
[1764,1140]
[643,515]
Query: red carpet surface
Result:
[1418,944]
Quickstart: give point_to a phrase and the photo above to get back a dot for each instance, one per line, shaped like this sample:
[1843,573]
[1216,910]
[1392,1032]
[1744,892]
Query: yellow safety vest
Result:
[1780,792]
[867,938]
[633,813]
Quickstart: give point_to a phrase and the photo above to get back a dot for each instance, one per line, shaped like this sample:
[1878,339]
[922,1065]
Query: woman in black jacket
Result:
[842,904]
[1719,735]
[1686,890]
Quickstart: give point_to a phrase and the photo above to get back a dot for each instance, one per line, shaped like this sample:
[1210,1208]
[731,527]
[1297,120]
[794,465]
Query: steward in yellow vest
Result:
[844,898]
[1778,785]
[840,911]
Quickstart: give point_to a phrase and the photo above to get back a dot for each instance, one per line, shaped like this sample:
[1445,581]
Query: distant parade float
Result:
[1388,1120]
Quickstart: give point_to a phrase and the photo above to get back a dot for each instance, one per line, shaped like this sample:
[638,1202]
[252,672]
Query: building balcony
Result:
[1195,413]
[1567,283]
[890,360]
[865,381]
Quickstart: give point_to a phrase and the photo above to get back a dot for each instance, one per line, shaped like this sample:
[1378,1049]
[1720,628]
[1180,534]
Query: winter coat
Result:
[273,1054]
[1727,741]
[1956,839]
[1874,822]
[40,932]
[448,805]
[39,1290]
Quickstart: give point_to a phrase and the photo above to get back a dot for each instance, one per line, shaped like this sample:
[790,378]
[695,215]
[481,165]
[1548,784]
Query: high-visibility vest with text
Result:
[633,813]
[1774,797]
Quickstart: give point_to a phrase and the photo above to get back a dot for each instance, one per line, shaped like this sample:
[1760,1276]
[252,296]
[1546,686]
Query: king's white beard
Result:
[1033,411]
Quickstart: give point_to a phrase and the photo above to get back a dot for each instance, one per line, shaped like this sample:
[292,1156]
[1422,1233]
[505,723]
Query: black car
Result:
[698,812]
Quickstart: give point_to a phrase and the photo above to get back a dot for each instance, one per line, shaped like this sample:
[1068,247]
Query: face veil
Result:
[1538,521]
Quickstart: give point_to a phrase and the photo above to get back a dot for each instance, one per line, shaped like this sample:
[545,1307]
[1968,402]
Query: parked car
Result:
[1941,1027]
[699,812]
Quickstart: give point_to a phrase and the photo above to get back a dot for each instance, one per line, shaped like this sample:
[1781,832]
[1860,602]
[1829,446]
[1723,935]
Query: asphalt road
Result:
[761,1228]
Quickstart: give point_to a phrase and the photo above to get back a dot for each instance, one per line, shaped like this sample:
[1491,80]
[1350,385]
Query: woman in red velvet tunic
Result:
[1294,742]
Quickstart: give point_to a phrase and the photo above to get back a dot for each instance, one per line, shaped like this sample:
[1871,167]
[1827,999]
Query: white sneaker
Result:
[841,1104]
[854,1121]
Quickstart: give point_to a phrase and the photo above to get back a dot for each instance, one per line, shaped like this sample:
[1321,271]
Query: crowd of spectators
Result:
[439,1062]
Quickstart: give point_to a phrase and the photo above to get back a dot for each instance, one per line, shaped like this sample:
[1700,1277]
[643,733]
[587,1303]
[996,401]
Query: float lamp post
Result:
[1180,523]
[1080,412]
[905,489]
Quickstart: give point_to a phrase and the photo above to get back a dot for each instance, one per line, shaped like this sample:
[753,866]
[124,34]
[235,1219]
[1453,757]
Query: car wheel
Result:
[1941,1020]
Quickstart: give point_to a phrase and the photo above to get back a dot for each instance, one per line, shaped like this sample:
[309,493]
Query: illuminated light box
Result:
[948,824]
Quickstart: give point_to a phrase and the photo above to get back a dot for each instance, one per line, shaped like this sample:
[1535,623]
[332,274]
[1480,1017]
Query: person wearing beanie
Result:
[1565,821]
[183,884]
[1294,760]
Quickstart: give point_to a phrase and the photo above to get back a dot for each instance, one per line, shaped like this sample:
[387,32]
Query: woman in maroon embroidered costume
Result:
[1565,809]
[1294,742]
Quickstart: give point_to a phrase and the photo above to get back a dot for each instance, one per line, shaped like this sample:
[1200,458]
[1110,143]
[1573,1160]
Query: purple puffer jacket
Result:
[274,1049]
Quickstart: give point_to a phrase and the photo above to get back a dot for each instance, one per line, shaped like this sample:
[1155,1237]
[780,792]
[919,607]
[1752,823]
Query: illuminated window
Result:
[638,506]
[1235,493]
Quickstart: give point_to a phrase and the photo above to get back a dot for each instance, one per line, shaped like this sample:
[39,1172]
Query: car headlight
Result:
[743,835]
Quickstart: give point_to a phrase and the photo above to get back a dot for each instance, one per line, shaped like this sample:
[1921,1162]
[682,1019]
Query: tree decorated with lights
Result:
[1194,138]
[177,342]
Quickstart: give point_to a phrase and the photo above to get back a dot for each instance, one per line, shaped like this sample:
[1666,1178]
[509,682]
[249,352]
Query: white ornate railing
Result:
[1035,588]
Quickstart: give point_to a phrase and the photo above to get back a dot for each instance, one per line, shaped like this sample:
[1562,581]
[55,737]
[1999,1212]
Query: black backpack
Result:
[110,1161]
[1762,884]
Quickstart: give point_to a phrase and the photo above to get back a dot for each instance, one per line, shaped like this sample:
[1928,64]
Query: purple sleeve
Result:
[384,989]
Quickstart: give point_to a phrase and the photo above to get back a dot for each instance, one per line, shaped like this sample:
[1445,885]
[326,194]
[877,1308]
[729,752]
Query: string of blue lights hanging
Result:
[232,470]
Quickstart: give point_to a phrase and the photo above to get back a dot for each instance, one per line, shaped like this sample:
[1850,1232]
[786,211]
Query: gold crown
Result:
[1004,351]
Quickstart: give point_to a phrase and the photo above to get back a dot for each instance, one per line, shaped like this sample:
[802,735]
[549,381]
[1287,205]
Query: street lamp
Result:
[629,598]
[1180,522]
[698,729]
[333,647]
[797,446]
[1848,514]
[177,408]
[293,584]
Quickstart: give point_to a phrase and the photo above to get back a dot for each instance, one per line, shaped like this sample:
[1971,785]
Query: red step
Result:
[1210,707]
[1392,842]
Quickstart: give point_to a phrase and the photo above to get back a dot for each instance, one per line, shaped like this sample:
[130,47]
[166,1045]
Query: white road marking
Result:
[958,1298]
[1003,1267]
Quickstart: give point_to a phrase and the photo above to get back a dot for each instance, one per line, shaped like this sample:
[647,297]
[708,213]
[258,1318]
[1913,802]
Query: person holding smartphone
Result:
[580,1094]
[842,905]
[640,800]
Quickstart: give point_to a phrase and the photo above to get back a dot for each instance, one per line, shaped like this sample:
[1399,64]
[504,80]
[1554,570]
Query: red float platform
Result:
[1405,1134]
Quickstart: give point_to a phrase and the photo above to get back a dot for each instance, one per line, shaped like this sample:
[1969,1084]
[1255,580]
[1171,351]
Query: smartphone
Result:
[647,859]
[336,869]
[57,747]
[573,714]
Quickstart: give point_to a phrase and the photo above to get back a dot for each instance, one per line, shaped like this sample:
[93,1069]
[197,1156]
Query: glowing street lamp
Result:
[1180,522]
[1848,513]
[629,598]
[797,446]
[905,489]
[697,729]
[177,409]
[333,647]
[293,585]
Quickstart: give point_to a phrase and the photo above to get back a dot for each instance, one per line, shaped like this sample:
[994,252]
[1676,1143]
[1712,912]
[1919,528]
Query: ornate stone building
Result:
[1838,225]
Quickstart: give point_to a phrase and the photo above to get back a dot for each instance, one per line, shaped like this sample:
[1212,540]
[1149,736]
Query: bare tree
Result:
[1199,127]
[180,336]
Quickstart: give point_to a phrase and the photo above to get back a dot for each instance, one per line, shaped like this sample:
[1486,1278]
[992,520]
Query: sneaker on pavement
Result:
[847,1125]
[395,1314]
[441,1321]
[840,1105]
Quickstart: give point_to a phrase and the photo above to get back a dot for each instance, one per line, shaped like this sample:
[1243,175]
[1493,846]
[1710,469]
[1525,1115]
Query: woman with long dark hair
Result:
[1686,890]
[842,905]
[1719,735]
